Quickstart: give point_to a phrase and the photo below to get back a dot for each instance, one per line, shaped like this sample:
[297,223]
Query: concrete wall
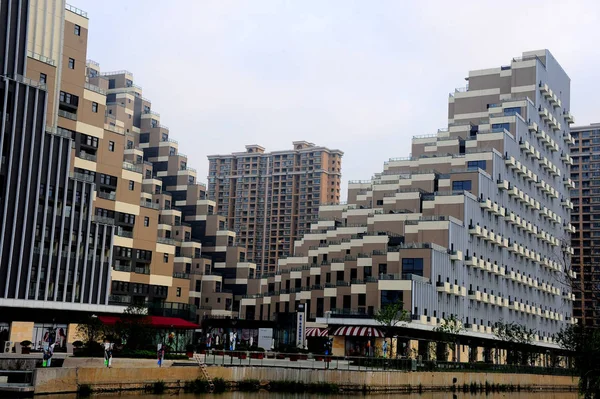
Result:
[62,380]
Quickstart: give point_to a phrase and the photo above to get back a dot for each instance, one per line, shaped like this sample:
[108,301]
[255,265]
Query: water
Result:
[267,395]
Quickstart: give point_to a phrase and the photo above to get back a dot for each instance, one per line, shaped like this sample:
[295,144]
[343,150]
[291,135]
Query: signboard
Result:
[300,326]
[265,338]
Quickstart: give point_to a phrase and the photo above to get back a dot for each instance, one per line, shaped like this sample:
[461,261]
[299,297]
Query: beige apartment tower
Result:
[270,199]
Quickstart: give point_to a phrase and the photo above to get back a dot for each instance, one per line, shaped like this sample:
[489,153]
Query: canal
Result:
[267,395]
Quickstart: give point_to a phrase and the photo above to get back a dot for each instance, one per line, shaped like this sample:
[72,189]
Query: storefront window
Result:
[47,334]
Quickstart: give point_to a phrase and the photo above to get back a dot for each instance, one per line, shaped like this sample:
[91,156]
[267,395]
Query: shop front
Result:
[317,339]
[357,341]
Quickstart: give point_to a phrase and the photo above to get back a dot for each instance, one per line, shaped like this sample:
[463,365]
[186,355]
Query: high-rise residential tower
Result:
[270,199]
[585,174]
[473,226]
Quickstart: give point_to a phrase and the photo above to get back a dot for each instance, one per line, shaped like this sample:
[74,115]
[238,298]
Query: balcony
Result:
[166,241]
[87,156]
[568,117]
[533,127]
[544,114]
[486,204]
[441,286]
[108,196]
[456,255]
[510,162]
[471,261]
[544,89]
[67,115]
[503,184]
[474,295]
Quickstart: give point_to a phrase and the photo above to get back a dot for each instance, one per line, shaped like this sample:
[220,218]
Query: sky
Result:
[359,76]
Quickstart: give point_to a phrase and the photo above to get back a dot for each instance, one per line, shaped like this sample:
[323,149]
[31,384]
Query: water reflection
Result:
[267,395]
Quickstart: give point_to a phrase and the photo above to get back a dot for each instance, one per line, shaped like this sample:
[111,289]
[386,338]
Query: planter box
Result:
[318,358]
[303,357]
[242,356]
[219,353]
[25,350]
[294,358]
[280,356]
[189,354]
[327,359]
[257,356]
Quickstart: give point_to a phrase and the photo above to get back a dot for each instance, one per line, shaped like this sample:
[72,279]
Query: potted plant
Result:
[293,354]
[189,350]
[77,345]
[25,347]
[201,348]
[257,353]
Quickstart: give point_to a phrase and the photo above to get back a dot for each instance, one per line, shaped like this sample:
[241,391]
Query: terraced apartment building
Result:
[585,173]
[270,199]
[98,209]
[207,266]
[475,225]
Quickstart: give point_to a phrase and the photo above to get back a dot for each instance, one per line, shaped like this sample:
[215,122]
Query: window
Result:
[461,185]
[498,127]
[77,30]
[476,164]
[111,146]
[71,63]
[146,221]
[131,185]
[166,258]
[379,202]
[129,144]
[412,266]
[94,107]
[43,78]
[178,291]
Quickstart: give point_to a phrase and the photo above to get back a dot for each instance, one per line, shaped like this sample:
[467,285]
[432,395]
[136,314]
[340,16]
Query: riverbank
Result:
[142,376]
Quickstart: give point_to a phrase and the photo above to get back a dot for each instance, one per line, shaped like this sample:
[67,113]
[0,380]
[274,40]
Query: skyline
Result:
[270,73]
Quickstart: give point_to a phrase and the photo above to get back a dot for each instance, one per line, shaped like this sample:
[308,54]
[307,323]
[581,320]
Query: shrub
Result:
[77,344]
[248,385]
[220,385]
[84,390]
[196,386]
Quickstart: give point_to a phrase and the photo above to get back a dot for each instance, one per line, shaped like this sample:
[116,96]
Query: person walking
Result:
[161,354]
[108,354]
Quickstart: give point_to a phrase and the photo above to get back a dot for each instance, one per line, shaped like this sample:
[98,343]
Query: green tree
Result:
[134,329]
[390,316]
[449,331]
[584,342]
[519,339]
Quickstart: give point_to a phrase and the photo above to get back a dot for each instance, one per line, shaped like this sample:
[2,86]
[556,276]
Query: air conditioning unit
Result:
[7,346]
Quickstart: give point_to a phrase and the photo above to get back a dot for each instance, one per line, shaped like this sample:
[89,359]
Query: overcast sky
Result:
[359,76]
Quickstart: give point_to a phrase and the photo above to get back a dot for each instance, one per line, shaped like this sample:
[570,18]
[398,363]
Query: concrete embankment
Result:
[138,374]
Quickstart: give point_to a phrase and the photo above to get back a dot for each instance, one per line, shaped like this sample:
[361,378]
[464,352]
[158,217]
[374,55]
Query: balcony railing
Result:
[108,196]
[132,167]
[68,115]
[41,58]
[149,204]
[167,241]
[181,275]
[125,233]
[87,157]
[95,88]
[104,220]
[82,177]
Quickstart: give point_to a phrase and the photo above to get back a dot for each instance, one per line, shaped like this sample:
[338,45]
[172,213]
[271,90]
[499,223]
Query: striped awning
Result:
[360,331]
[317,332]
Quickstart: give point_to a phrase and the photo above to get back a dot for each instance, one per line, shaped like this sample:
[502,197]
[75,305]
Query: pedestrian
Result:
[50,354]
[108,354]
[161,354]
